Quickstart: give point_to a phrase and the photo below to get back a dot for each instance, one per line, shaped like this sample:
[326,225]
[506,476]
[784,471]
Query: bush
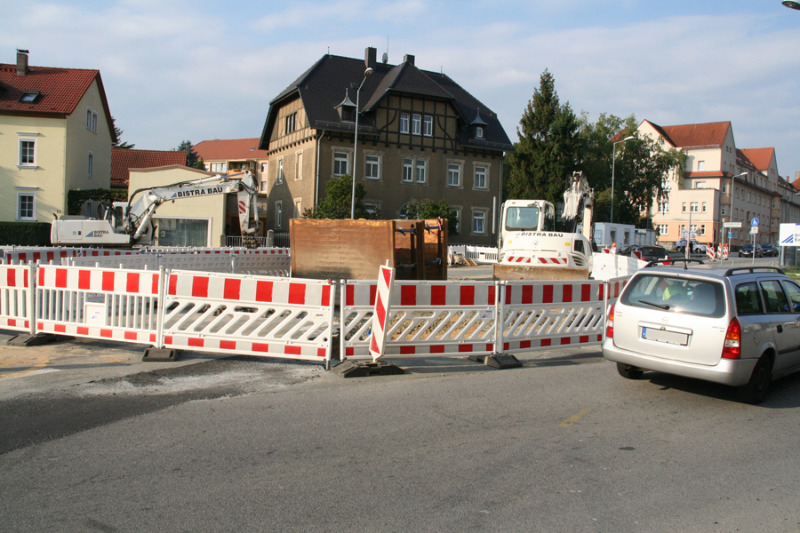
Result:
[25,233]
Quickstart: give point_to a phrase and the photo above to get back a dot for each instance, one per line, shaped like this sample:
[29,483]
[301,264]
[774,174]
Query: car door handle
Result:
[780,328]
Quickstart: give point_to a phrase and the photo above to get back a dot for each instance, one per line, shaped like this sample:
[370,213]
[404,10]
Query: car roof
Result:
[714,272]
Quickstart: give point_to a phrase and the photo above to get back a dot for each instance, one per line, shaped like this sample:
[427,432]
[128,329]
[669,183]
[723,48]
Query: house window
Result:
[91,120]
[26,206]
[298,208]
[340,163]
[480,177]
[724,188]
[408,170]
[663,208]
[453,175]
[705,207]
[683,207]
[403,122]
[427,126]
[724,209]
[693,206]
[298,166]
[278,214]
[90,165]
[29,97]
[701,165]
[479,132]
[279,177]
[416,124]
[702,230]
[479,222]
[699,184]
[663,229]
[421,170]
[27,153]
[290,123]
[373,164]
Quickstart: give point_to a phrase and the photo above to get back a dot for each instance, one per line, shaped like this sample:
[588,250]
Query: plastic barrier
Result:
[98,303]
[16,297]
[264,264]
[23,255]
[426,318]
[539,315]
[228,313]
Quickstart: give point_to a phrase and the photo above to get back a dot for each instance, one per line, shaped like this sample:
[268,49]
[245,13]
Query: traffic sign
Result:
[754,222]
[731,224]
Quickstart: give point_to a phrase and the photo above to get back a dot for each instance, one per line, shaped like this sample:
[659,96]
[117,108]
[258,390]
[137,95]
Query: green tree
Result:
[547,150]
[337,201]
[428,209]
[192,159]
[118,134]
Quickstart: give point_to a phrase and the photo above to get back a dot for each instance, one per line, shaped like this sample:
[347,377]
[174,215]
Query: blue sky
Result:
[197,70]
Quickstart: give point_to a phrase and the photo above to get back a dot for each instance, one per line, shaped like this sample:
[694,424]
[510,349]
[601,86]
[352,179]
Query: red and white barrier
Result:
[380,314]
[710,254]
[253,315]
[120,305]
[16,297]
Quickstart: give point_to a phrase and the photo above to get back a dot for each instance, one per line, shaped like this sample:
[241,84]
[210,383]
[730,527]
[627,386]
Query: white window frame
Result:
[338,161]
[663,229]
[479,132]
[480,177]
[91,119]
[404,123]
[27,164]
[421,171]
[427,126]
[416,124]
[373,165]
[479,217]
[20,196]
[454,174]
[407,176]
[290,123]
[701,165]
[704,207]
[298,166]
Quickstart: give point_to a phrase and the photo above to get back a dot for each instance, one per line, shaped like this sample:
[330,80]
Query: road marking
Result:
[574,418]
[30,372]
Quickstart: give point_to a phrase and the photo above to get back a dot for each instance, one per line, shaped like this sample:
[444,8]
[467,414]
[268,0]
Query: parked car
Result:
[695,247]
[739,327]
[770,250]
[747,251]
[647,252]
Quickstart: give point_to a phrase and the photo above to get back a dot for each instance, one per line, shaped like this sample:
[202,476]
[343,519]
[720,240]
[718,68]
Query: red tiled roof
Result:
[688,135]
[760,157]
[124,159]
[60,90]
[229,149]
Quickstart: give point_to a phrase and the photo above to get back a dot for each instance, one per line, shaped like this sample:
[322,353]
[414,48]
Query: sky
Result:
[202,69]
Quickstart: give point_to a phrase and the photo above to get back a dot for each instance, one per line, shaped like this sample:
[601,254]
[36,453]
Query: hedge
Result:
[25,233]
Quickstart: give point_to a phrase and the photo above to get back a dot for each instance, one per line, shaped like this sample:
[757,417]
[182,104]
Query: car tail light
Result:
[732,349]
[610,323]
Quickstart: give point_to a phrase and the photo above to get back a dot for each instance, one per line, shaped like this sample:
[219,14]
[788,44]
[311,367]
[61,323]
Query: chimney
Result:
[370,57]
[22,62]
[408,58]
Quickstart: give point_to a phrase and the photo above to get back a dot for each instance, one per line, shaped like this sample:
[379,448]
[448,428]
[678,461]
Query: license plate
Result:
[665,336]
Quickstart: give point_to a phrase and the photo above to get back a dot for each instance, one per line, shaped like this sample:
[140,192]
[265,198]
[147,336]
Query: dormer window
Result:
[347,109]
[29,97]
[478,126]
[479,132]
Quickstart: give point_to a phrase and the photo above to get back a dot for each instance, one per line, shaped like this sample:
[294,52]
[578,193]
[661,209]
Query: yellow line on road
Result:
[26,371]
[574,418]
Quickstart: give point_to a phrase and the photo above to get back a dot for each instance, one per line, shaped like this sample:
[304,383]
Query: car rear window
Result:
[675,295]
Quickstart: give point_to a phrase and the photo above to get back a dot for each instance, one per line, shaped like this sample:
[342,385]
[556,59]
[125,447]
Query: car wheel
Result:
[629,371]
[756,390]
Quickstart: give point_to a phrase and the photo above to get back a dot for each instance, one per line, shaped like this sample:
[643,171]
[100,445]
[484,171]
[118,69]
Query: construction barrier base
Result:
[360,369]
[500,360]
[161,354]
[37,339]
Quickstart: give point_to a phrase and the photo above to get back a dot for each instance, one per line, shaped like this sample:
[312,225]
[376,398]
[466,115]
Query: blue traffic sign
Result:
[754,222]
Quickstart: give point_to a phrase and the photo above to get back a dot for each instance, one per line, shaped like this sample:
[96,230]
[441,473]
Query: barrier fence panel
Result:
[16,297]
[120,305]
[545,314]
[426,318]
[253,315]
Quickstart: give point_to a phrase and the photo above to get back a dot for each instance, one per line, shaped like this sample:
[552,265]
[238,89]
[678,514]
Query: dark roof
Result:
[124,159]
[328,81]
[59,91]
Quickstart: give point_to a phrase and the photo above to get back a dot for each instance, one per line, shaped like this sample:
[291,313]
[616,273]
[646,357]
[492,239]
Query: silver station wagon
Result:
[737,326]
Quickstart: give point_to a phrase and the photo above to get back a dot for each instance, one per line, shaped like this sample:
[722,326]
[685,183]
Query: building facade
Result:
[420,135]
[720,186]
[56,135]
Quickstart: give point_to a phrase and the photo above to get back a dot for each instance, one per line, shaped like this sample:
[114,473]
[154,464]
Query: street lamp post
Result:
[613,168]
[367,74]
[730,215]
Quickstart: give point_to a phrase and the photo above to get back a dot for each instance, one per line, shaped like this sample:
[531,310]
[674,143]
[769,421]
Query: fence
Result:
[296,318]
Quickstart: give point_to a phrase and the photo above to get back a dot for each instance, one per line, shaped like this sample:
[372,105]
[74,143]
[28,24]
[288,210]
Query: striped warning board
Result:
[380,316]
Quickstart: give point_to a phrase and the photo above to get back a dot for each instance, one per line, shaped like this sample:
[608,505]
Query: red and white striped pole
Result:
[380,316]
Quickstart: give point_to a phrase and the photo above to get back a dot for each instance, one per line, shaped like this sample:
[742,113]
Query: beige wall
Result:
[81,140]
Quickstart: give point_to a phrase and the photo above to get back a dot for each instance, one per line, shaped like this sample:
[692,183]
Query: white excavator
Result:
[530,245]
[131,223]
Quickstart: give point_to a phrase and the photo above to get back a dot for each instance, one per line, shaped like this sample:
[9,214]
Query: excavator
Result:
[530,245]
[131,223]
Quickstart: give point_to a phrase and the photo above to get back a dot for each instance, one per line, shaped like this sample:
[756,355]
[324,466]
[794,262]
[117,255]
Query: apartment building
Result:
[720,184]
[420,135]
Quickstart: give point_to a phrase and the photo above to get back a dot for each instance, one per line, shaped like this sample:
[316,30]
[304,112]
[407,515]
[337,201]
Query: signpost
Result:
[754,232]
